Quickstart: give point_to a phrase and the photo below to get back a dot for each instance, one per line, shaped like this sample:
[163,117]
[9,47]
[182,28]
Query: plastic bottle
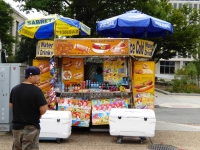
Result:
[76,87]
[62,86]
[97,86]
[100,85]
[87,84]
[91,86]
[79,86]
[94,86]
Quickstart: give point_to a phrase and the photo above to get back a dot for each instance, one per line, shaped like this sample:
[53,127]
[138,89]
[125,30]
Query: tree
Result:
[186,30]
[6,20]
[191,70]
[26,51]
[186,34]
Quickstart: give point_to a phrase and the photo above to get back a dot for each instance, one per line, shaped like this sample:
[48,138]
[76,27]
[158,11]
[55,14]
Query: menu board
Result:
[144,84]
[72,70]
[114,70]
[91,46]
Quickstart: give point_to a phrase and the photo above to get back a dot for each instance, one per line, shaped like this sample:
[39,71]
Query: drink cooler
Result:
[132,122]
[55,125]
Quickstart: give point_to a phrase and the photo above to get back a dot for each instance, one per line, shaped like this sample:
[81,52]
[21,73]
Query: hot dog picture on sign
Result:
[72,70]
[144,84]
[45,76]
[91,46]
[144,76]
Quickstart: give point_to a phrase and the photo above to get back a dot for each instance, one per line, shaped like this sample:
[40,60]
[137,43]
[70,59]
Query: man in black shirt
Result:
[28,104]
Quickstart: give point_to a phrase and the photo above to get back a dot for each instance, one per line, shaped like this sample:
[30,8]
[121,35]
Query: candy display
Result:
[51,99]
[79,108]
[101,109]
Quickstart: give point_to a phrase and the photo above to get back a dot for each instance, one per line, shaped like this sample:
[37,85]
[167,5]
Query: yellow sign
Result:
[45,48]
[45,78]
[72,70]
[91,46]
[141,48]
[144,83]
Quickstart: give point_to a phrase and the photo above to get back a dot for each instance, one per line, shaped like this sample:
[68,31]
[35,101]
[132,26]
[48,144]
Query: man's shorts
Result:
[26,139]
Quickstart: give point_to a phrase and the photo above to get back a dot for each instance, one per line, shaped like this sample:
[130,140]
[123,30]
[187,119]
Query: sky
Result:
[30,15]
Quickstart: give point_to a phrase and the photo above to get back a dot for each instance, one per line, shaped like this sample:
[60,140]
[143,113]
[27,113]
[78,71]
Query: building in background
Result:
[18,19]
[165,68]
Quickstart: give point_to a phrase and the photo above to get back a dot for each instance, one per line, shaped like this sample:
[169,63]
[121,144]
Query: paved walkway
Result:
[177,100]
[164,99]
[185,137]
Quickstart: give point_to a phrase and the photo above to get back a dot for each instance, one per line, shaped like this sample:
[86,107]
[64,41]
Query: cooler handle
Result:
[132,112]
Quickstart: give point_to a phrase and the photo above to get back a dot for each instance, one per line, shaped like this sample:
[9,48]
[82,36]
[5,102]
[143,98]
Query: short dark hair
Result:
[99,70]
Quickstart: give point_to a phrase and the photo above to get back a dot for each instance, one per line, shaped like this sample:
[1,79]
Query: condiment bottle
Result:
[76,87]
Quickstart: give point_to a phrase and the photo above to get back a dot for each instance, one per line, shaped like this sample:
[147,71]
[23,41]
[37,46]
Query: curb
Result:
[162,91]
[169,93]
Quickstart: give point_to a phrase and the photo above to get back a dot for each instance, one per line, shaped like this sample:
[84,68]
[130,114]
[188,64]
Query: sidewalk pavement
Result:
[182,137]
[175,100]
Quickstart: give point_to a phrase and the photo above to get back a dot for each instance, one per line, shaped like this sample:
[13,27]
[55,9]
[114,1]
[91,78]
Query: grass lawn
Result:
[164,87]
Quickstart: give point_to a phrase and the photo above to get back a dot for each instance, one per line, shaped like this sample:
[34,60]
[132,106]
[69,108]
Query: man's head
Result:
[99,70]
[32,74]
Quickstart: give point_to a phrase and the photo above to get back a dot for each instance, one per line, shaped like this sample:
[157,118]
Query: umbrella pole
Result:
[133,32]
[120,34]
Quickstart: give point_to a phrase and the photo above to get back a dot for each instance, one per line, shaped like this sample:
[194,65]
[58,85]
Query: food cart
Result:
[68,67]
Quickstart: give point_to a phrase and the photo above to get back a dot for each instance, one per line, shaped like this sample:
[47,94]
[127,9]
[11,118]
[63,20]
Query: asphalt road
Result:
[178,115]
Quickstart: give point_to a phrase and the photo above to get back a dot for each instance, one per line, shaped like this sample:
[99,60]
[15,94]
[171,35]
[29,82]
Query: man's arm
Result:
[43,109]
[11,105]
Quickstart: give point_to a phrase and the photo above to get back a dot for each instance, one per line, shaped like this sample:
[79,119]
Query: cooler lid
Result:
[132,113]
[57,114]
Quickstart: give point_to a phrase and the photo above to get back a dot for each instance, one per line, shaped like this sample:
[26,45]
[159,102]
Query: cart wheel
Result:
[119,140]
[142,138]
[58,140]
[140,141]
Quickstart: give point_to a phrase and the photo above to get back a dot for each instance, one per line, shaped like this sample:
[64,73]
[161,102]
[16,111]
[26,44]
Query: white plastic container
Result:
[55,125]
[132,122]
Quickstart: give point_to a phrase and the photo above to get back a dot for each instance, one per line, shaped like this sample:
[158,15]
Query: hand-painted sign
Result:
[141,48]
[45,48]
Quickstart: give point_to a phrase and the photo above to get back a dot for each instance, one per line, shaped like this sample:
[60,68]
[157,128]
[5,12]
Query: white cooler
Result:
[132,122]
[55,125]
